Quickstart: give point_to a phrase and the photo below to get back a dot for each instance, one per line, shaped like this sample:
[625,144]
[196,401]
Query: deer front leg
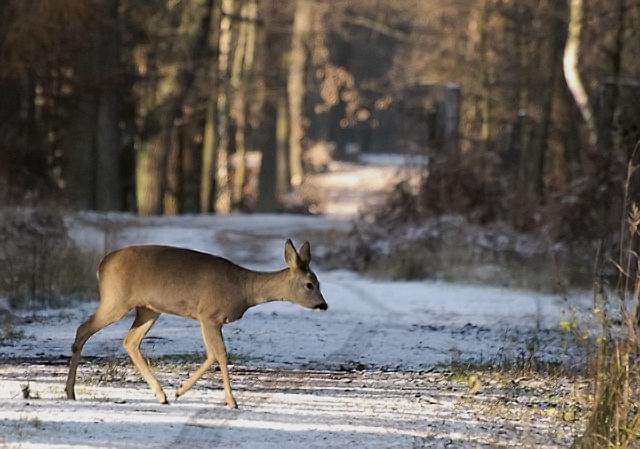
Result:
[215,340]
[211,358]
[214,344]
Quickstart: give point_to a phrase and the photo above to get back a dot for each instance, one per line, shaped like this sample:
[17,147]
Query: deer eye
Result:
[309,286]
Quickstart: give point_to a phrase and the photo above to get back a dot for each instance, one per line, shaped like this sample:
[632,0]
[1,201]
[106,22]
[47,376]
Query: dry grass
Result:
[615,416]
[42,267]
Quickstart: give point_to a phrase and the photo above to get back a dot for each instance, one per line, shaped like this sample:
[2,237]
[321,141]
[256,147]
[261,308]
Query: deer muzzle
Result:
[321,306]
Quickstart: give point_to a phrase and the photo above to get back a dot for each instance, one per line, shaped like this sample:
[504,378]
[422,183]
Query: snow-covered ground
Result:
[291,365]
[282,409]
[348,188]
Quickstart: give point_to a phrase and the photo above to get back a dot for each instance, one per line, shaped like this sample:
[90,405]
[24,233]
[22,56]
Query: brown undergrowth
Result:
[615,418]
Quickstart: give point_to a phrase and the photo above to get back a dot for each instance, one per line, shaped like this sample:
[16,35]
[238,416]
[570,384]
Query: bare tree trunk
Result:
[223,194]
[267,199]
[155,187]
[282,137]
[571,72]
[208,174]
[242,64]
[273,168]
[173,193]
[296,87]
[190,164]
[548,100]
[485,95]
[151,203]
[610,92]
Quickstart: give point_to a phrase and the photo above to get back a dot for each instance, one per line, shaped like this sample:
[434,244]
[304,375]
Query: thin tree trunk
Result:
[608,134]
[250,15]
[190,167]
[208,174]
[157,157]
[547,102]
[485,95]
[173,193]
[223,194]
[273,125]
[571,72]
[296,87]
[282,138]
[238,112]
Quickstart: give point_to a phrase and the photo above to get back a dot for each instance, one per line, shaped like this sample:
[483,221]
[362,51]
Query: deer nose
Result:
[322,306]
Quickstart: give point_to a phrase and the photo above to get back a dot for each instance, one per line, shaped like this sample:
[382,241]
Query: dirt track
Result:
[281,408]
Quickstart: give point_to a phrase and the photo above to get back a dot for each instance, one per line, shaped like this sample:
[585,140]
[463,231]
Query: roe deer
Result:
[191,284]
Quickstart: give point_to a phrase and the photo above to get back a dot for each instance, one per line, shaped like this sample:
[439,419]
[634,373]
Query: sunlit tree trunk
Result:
[242,65]
[223,193]
[571,71]
[296,86]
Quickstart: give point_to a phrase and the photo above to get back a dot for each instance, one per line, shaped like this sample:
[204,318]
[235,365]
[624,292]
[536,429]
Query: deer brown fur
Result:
[162,279]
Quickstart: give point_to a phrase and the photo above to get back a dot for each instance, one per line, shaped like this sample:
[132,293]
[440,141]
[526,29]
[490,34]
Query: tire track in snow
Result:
[359,338]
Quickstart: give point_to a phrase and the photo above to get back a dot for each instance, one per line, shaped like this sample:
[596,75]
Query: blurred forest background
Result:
[528,110]
[518,122]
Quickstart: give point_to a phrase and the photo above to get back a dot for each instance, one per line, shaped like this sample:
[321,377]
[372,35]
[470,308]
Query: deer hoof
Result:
[162,398]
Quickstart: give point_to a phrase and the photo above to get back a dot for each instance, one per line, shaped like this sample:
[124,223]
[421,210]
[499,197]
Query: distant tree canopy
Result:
[157,106]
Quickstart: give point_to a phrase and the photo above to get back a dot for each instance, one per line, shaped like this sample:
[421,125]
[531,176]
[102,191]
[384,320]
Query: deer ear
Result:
[305,255]
[291,255]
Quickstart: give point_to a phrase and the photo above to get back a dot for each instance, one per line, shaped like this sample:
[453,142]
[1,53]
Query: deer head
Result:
[304,288]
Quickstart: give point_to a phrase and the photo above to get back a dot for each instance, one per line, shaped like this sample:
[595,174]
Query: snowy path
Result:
[382,324]
[403,327]
[391,325]
[280,409]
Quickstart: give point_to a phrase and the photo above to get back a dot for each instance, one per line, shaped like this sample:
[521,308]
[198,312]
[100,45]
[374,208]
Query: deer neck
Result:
[267,286]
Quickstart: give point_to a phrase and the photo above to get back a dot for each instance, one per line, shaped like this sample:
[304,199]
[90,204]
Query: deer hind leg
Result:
[99,320]
[214,344]
[145,319]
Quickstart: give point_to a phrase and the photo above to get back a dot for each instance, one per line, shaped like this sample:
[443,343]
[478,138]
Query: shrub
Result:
[41,266]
